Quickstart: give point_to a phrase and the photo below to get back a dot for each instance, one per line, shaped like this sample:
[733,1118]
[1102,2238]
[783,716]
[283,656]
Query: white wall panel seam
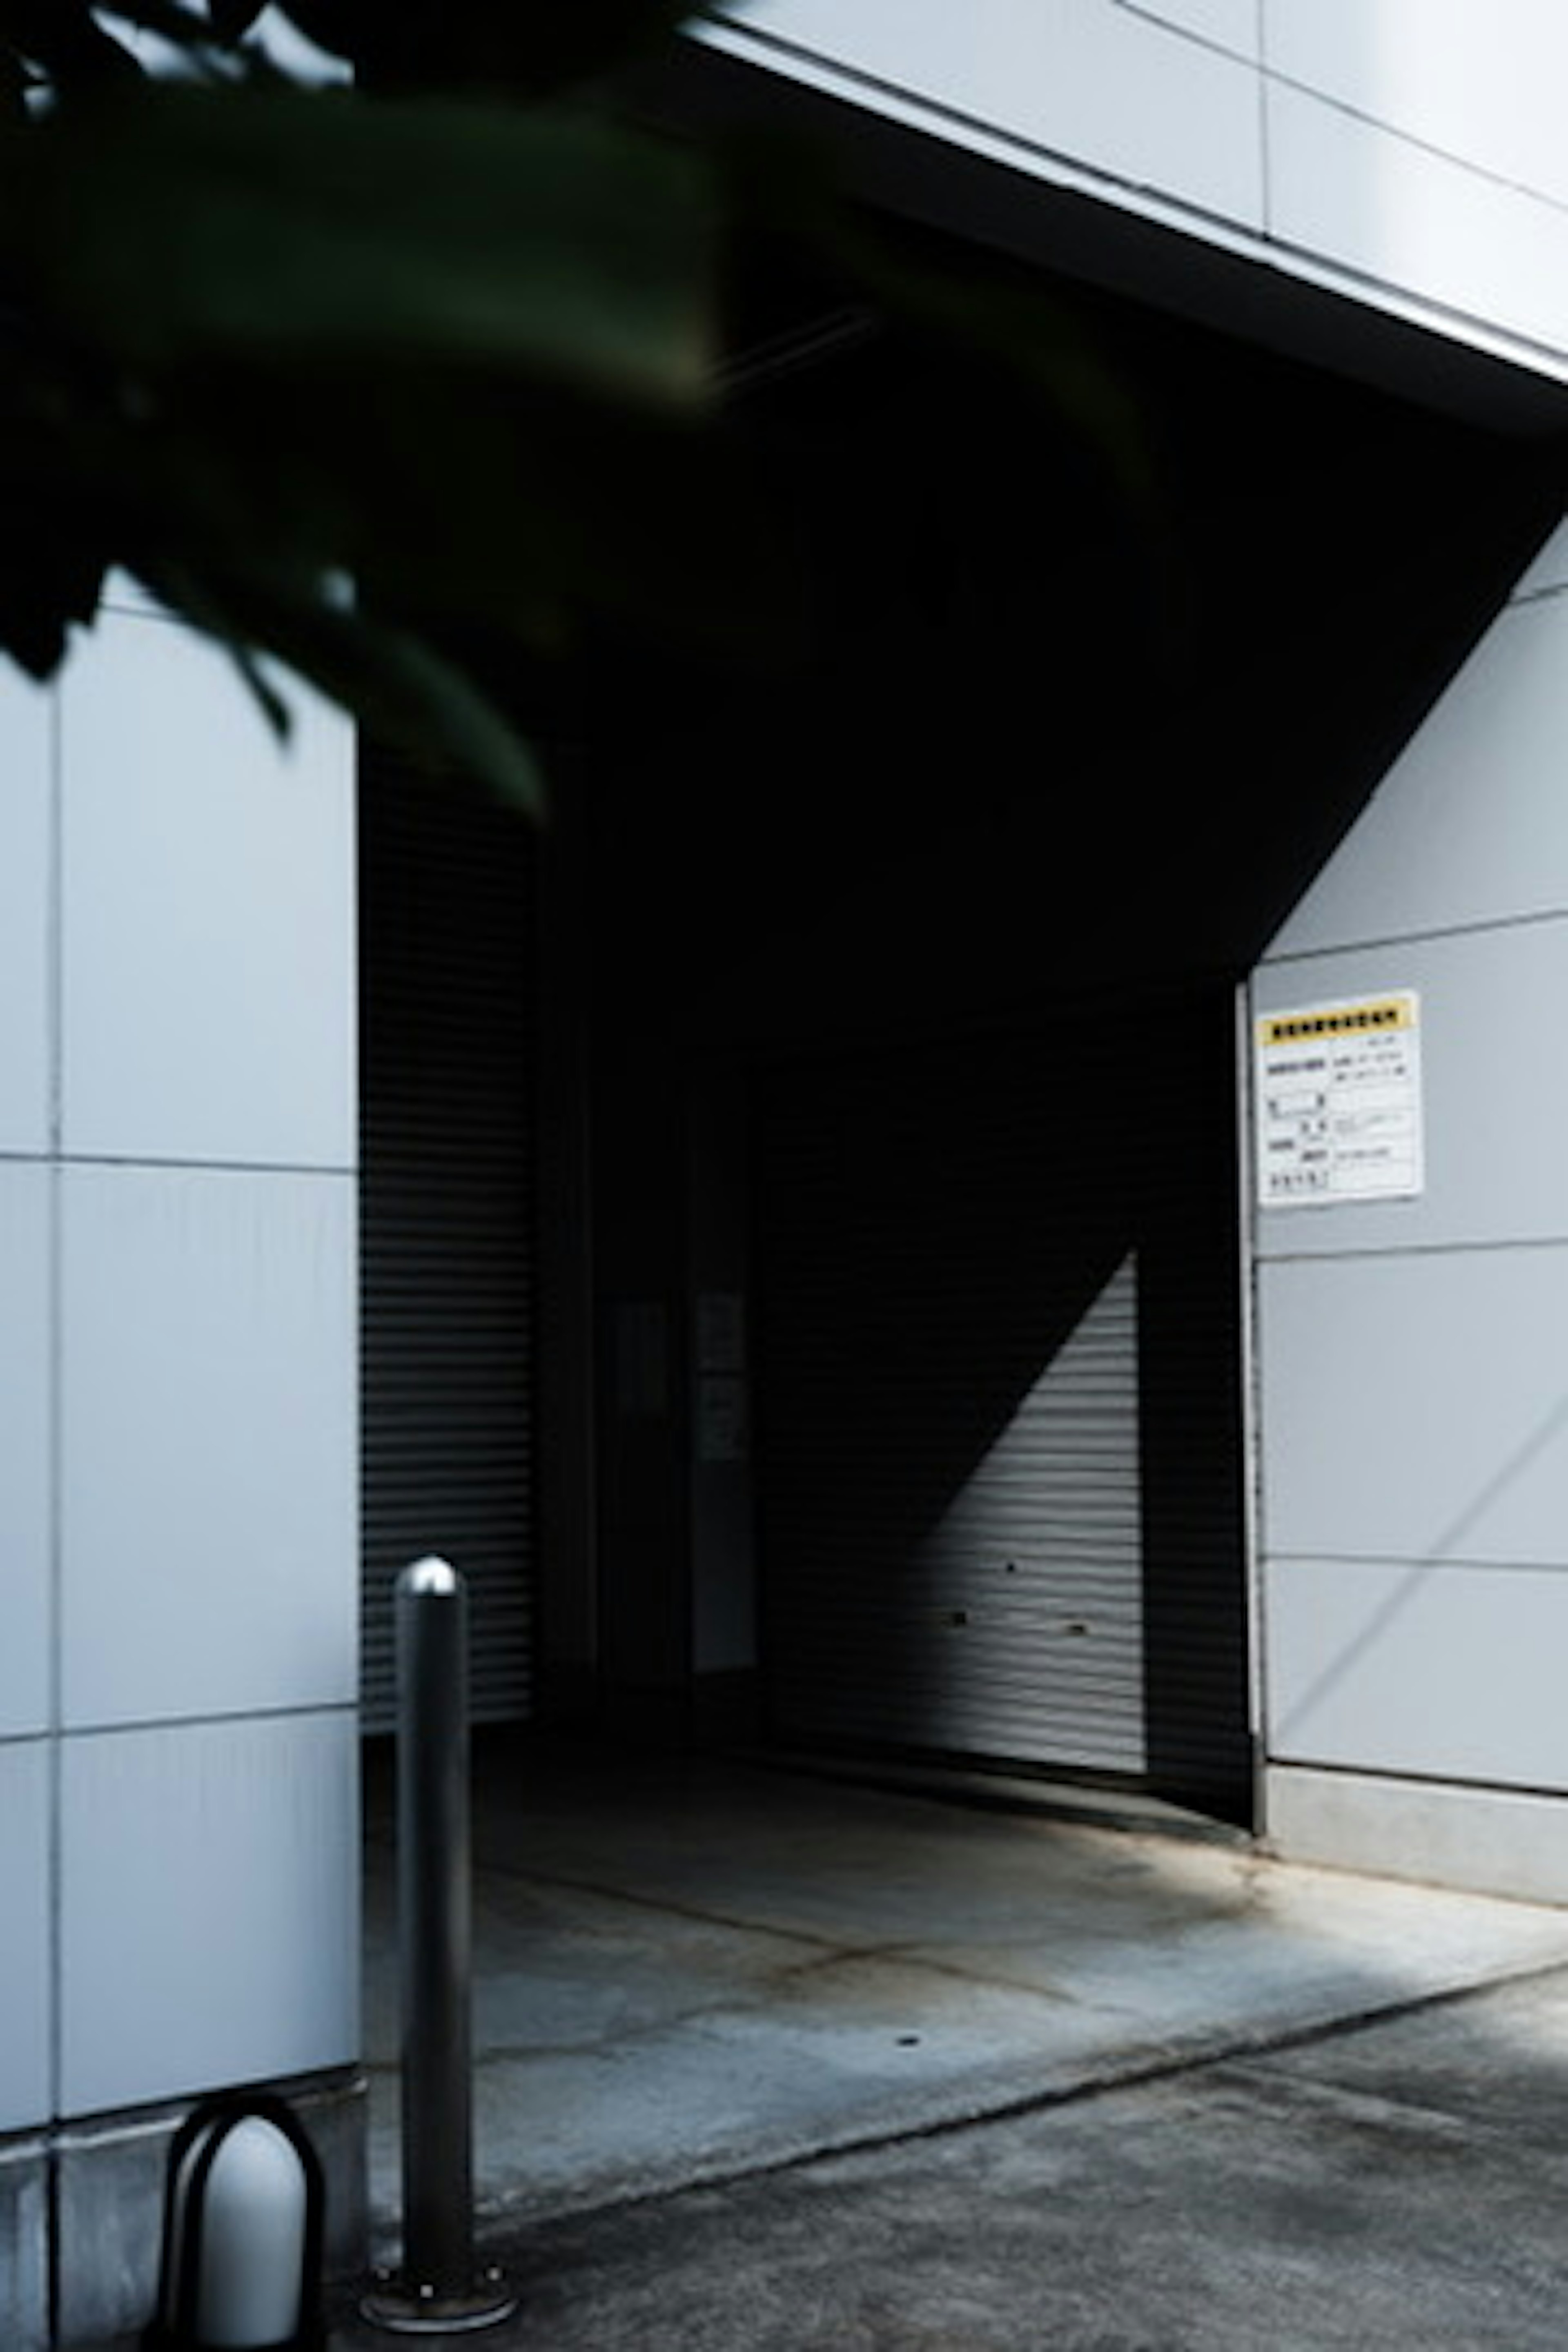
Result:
[1157,19]
[1507,1245]
[129,1726]
[55,980]
[1409,1776]
[1533,58]
[1265,141]
[1406,1777]
[1270,76]
[1413,139]
[338,1169]
[1394,942]
[1429,1562]
[53,1373]
[1079,174]
[1184,215]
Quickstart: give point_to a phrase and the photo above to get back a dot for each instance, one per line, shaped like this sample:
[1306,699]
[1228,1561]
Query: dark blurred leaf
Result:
[44,592]
[1038,343]
[425,45]
[334,25]
[417,701]
[516,508]
[232,18]
[284,227]
[62,39]
[461,353]
[784,192]
[14,81]
[56,542]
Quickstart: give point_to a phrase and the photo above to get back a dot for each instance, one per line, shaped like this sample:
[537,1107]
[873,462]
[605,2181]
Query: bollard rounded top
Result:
[430,1578]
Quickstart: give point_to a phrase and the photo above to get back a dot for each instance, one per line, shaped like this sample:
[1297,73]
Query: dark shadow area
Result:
[959,853]
[965,863]
[1047,700]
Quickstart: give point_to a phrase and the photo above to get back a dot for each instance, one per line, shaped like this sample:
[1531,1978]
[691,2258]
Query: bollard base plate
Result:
[403,2307]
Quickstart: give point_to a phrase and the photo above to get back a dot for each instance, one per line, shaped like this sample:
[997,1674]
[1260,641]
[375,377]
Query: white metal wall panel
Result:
[1430,853]
[1413,1450]
[448,933]
[1415,1408]
[1058,87]
[1442,1671]
[26,900]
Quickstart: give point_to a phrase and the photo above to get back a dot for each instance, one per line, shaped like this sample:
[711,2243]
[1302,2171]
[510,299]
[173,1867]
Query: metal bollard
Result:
[437,2288]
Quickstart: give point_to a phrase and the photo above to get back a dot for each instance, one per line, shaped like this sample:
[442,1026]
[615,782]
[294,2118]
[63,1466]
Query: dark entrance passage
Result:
[959,860]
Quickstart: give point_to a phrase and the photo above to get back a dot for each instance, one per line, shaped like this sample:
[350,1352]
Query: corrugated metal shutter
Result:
[446,972]
[1013,1627]
[986,1267]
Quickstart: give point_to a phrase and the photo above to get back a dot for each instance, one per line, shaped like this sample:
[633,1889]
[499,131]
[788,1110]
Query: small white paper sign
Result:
[1338,1093]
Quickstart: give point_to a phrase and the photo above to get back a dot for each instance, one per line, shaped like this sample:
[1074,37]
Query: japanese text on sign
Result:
[1337,1091]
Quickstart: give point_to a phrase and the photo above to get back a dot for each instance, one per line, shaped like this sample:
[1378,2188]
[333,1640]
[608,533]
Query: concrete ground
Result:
[767,2063]
[1394,2185]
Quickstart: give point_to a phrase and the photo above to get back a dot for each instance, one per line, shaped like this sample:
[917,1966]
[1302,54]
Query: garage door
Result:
[1000,1431]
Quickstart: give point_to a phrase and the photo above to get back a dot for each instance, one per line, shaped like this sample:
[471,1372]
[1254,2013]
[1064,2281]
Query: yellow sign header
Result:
[1378,1016]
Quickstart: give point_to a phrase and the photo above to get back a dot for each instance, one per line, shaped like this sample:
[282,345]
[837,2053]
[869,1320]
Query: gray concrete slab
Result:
[686,1970]
[1396,2187]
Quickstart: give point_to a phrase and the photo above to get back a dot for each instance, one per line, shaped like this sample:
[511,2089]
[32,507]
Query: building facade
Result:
[180,1753]
[815,1249]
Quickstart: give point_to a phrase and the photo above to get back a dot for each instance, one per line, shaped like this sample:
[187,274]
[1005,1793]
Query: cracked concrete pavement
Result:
[689,1970]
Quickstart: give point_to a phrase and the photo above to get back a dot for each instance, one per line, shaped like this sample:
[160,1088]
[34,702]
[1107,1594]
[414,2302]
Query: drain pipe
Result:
[438,2287]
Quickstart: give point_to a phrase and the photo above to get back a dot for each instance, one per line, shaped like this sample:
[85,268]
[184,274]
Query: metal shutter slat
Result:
[449,1253]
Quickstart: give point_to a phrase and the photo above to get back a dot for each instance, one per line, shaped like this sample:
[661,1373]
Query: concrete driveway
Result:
[1396,2187]
[689,1973]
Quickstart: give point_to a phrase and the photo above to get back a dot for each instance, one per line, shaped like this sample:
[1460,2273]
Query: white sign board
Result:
[1338,1094]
